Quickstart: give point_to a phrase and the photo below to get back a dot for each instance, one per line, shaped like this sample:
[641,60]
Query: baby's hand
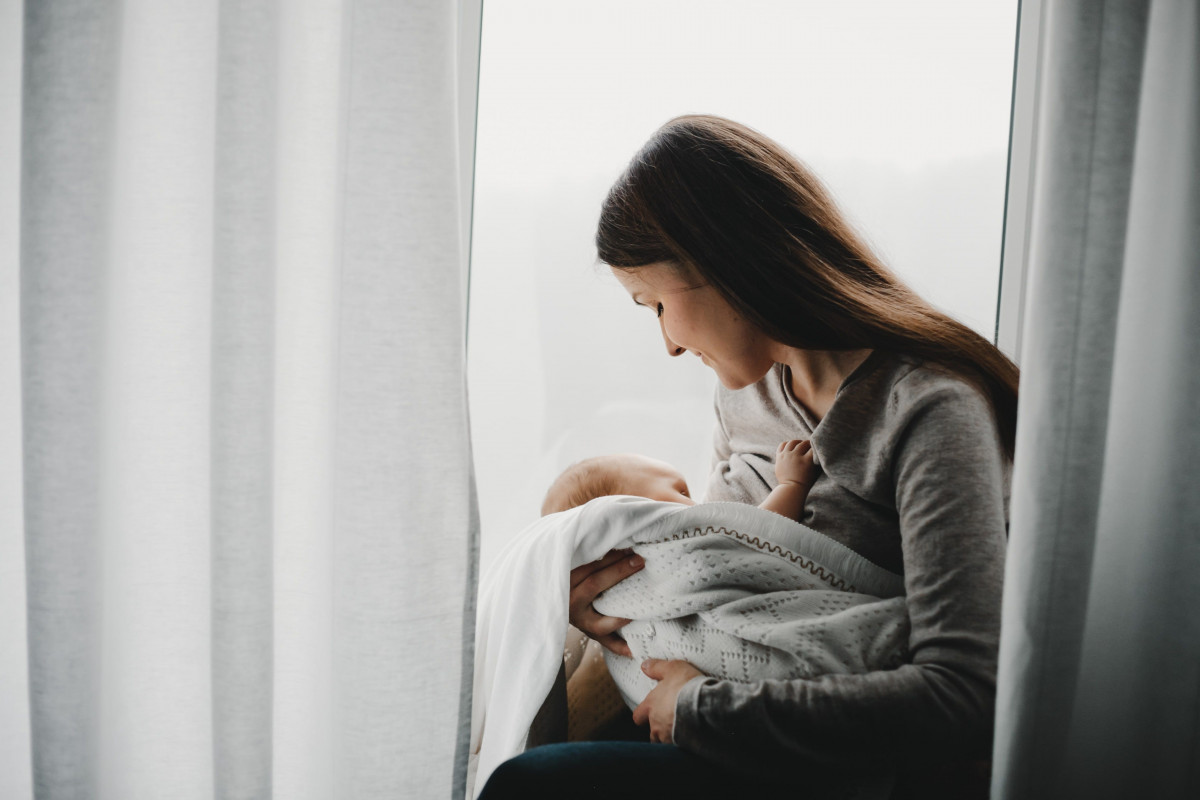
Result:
[794,463]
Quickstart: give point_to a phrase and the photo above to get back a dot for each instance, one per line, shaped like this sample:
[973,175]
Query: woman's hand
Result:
[587,582]
[658,708]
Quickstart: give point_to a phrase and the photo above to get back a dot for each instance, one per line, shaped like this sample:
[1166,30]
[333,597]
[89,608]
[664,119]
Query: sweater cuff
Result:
[687,708]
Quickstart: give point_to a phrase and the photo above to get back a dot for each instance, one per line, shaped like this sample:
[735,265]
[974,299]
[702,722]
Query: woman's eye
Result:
[659,311]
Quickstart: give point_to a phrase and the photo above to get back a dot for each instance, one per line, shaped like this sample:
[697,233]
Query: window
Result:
[902,108]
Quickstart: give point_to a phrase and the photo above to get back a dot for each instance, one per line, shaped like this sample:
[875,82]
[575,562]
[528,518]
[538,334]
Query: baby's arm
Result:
[796,472]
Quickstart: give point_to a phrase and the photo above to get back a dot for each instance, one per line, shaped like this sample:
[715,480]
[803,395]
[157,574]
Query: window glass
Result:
[901,108]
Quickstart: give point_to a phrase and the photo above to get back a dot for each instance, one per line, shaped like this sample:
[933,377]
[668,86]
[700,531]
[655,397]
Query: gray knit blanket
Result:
[752,596]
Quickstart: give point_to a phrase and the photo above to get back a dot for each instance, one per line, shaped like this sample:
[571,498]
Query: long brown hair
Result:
[722,200]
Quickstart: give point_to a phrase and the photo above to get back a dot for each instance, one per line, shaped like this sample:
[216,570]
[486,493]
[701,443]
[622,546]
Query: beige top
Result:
[914,479]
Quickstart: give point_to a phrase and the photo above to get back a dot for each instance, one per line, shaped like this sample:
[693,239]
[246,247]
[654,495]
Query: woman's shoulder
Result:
[900,406]
[885,390]
[890,387]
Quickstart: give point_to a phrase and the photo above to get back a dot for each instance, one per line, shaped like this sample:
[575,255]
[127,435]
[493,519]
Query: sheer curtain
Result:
[1099,685]
[249,527]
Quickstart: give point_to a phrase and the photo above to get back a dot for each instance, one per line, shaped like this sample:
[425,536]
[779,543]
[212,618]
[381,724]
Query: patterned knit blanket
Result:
[754,598]
[742,593]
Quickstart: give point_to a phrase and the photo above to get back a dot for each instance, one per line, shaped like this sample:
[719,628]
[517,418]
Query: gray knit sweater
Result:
[913,478]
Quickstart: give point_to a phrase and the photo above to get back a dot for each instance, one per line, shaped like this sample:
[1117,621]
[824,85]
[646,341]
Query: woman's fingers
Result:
[603,629]
[653,667]
[603,625]
[595,624]
[616,644]
[588,582]
[608,574]
[580,573]
[641,715]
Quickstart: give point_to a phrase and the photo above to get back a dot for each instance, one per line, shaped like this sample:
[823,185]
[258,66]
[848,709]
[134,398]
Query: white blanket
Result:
[741,593]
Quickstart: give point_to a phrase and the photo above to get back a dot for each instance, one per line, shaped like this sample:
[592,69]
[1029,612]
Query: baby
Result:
[593,702]
[631,474]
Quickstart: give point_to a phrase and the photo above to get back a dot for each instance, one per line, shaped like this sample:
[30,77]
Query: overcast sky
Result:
[909,83]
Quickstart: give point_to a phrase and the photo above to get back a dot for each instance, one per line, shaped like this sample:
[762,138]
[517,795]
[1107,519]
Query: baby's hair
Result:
[582,481]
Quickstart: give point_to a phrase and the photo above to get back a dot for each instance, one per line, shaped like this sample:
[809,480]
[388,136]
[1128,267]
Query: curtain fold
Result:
[1100,652]
[68,97]
[401,455]
[15,773]
[242,396]
[249,516]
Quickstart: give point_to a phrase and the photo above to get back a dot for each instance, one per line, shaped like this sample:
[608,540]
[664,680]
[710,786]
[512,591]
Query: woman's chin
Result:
[740,380]
[731,383]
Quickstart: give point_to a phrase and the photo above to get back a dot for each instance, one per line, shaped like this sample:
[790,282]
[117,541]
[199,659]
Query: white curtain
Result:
[245,565]
[1099,686]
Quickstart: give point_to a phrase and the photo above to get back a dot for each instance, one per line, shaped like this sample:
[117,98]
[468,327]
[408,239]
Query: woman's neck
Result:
[818,374]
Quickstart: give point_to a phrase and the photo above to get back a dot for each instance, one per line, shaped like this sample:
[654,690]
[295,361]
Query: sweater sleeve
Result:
[948,469]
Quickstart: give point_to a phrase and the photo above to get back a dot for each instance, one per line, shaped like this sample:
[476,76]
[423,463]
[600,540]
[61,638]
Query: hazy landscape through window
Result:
[902,109]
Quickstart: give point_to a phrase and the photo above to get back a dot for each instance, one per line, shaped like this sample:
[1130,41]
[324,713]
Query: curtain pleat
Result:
[156,532]
[243,355]
[308,217]
[68,90]
[1090,79]
[1135,730]
[16,773]
[250,524]
[1098,690]
[402,474]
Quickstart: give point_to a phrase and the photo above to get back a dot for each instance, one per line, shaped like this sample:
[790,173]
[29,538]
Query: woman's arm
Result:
[949,479]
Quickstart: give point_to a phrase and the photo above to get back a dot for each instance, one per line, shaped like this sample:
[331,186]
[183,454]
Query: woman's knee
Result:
[545,769]
[603,770]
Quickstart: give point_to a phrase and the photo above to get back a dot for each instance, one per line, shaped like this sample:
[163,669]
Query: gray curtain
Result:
[249,525]
[1099,686]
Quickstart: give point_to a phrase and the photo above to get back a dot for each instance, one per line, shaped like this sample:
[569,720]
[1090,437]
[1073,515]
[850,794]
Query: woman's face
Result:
[694,318]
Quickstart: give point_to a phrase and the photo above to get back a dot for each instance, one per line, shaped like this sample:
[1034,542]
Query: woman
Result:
[747,264]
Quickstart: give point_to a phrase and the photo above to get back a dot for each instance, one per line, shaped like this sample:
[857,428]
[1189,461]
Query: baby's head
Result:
[625,473]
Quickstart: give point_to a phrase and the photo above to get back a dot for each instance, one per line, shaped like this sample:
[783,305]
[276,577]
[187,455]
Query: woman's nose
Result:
[672,348]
